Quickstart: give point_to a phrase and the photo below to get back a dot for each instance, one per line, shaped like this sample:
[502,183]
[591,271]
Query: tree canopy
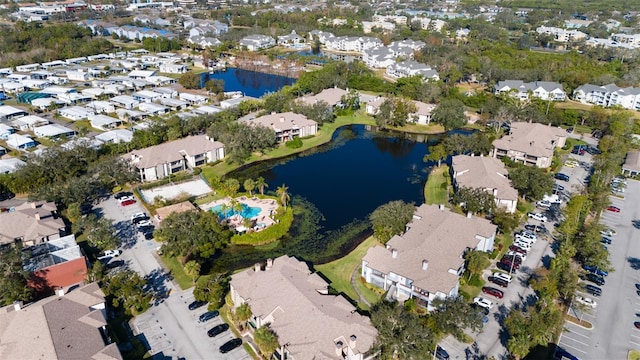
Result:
[391,219]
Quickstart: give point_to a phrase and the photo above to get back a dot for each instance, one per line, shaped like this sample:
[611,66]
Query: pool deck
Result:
[267,208]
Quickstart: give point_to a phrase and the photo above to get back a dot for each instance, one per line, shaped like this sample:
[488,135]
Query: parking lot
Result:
[169,328]
[613,333]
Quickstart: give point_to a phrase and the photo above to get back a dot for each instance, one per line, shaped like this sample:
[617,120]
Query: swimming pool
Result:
[248,212]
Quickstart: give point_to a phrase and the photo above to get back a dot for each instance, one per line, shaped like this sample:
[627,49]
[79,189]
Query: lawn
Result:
[434,192]
[325,133]
[176,270]
[339,271]
[634,355]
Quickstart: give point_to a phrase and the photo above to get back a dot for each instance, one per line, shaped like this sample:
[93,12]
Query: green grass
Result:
[434,193]
[174,266]
[339,271]
[323,136]
[633,355]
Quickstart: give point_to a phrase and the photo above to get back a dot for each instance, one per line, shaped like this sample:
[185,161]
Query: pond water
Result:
[351,176]
[251,83]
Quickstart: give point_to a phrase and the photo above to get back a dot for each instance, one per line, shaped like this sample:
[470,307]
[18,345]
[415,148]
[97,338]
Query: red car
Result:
[493,291]
[517,249]
[128,202]
[614,209]
[637,324]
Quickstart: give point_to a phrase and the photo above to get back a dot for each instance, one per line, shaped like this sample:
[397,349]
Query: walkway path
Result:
[354,278]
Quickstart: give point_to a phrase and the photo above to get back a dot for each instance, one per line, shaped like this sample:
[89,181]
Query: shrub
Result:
[294,144]
[268,235]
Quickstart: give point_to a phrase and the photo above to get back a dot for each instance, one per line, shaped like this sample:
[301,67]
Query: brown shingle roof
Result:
[331,96]
[632,161]
[172,151]
[484,173]
[302,317]
[282,121]
[164,212]
[437,236]
[22,222]
[531,138]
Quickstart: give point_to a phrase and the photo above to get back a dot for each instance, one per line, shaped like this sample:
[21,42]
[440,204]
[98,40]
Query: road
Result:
[613,333]
[169,328]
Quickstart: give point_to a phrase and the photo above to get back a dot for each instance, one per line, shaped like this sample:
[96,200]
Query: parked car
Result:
[579,150]
[517,249]
[441,354]
[217,330]
[586,301]
[637,324]
[137,217]
[537,216]
[208,316]
[196,304]
[614,209]
[108,254]
[595,270]
[123,194]
[506,277]
[535,228]
[562,177]
[523,245]
[593,290]
[482,302]
[230,345]
[148,235]
[571,163]
[598,280]
[144,223]
[558,187]
[127,202]
[512,258]
[606,240]
[493,291]
[517,254]
[114,264]
[506,267]
[593,150]
[498,281]
[543,204]
[6,195]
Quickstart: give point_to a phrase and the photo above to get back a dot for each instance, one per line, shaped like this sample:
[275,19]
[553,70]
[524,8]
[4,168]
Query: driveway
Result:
[170,330]
[613,333]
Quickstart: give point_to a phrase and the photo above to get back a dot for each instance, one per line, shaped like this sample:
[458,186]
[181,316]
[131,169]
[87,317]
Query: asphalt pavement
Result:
[169,328]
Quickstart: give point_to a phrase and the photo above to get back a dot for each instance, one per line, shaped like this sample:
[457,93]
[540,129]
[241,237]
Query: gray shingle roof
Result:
[484,173]
[533,139]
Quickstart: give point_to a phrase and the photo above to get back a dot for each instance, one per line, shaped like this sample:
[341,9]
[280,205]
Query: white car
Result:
[503,276]
[108,254]
[139,216]
[480,301]
[520,238]
[523,245]
[608,232]
[125,198]
[543,204]
[144,223]
[586,301]
[537,216]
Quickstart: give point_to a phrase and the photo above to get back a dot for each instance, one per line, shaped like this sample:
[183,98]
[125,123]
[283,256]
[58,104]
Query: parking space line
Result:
[579,342]
[634,343]
[573,347]
[576,333]
[635,336]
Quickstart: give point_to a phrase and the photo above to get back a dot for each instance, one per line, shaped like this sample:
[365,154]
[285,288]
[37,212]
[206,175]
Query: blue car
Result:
[595,270]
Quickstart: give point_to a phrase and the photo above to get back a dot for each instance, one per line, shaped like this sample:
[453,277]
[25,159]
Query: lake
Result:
[251,83]
[351,176]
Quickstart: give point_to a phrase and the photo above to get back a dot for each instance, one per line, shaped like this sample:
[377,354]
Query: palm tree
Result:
[261,185]
[283,194]
[249,185]
[236,207]
[243,314]
[192,268]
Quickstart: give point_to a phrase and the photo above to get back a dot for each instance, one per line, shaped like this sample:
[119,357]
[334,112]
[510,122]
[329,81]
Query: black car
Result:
[593,290]
[441,354]
[230,345]
[606,240]
[146,229]
[148,235]
[558,187]
[196,304]
[561,176]
[506,267]
[516,260]
[208,315]
[114,264]
[123,194]
[217,330]
[6,196]
[138,219]
[498,281]
[593,150]
[598,280]
[535,228]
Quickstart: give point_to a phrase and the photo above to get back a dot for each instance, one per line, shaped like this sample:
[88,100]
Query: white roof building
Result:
[104,122]
[115,136]
[29,122]
[10,165]
[53,131]
[75,113]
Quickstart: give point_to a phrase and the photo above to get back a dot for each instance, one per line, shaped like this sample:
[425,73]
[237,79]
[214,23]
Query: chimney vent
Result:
[269,263]
[394,253]
[468,214]
[352,342]
[257,267]
[37,216]
[17,305]
[425,264]
[60,291]
[281,119]
[339,345]
[441,207]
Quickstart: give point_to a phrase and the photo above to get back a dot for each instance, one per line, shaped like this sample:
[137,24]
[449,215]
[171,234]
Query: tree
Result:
[249,185]
[99,232]
[243,314]
[261,184]
[401,335]
[192,233]
[475,200]
[351,100]
[450,114]
[506,222]
[214,85]
[190,80]
[391,219]
[453,315]
[436,153]
[213,290]
[394,112]
[531,182]
[283,195]
[13,277]
[476,262]
[127,290]
[231,186]
[267,340]
[192,269]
